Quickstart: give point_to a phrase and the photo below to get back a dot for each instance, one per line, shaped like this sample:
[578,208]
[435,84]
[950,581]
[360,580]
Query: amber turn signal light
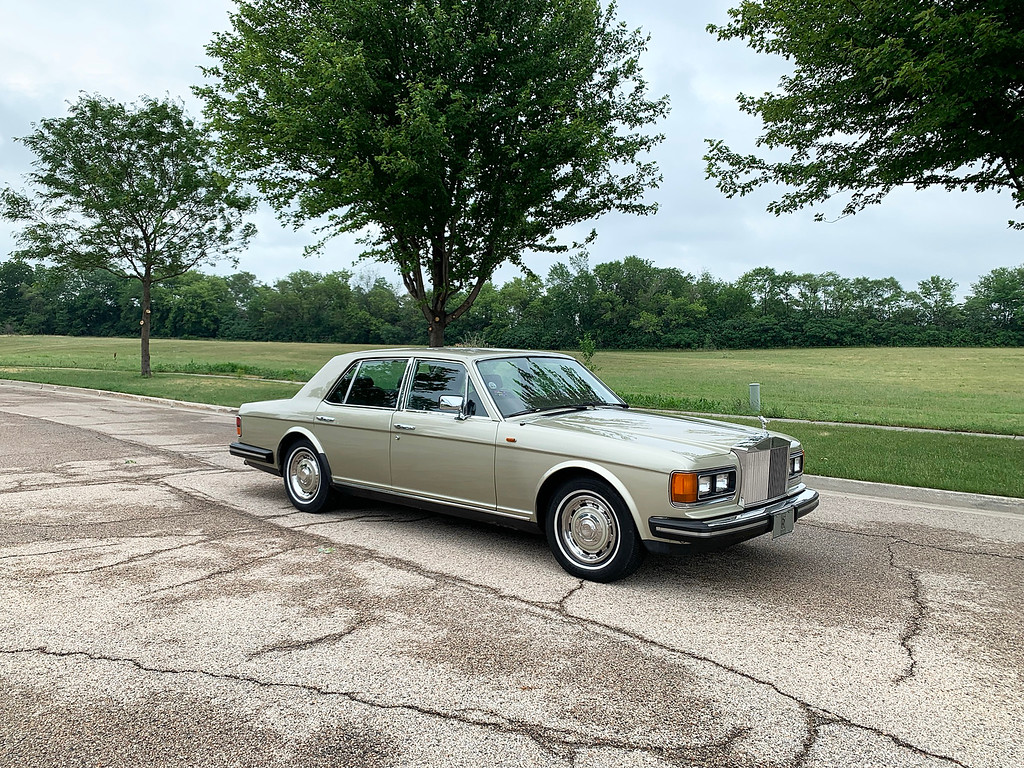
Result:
[684,487]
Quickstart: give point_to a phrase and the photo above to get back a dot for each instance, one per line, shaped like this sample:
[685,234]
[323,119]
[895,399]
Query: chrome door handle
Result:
[325,418]
[405,427]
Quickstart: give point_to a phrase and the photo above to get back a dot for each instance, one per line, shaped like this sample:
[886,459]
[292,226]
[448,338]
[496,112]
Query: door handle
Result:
[405,427]
[325,418]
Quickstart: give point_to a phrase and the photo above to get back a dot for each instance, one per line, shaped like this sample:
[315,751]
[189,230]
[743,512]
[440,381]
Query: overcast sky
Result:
[51,51]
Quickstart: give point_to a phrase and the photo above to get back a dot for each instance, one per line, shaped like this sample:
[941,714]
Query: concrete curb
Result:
[119,395]
[931,496]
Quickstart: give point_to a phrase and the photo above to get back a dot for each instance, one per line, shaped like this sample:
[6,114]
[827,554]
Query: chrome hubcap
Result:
[304,475]
[587,529]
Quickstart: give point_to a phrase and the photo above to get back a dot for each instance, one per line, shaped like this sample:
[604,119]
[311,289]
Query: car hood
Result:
[680,434]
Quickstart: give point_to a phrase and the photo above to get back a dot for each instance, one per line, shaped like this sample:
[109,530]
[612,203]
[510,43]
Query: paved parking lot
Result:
[162,605]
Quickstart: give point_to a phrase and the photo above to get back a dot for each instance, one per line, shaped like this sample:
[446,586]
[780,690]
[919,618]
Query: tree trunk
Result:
[144,324]
[437,325]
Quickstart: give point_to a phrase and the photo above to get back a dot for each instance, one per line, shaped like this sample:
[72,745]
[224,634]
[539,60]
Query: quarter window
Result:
[374,383]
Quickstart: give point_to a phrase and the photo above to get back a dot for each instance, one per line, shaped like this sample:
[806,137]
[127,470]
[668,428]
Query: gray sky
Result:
[51,51]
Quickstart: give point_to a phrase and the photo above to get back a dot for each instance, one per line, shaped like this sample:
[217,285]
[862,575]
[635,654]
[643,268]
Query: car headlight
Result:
[691,487]
[796,464]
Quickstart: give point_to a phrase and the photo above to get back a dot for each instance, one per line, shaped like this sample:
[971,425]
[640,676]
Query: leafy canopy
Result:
[453,134]
[883,93]
[129,189]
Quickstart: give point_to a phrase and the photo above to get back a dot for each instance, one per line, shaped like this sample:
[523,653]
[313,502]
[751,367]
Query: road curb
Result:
[931,496]
[119,395]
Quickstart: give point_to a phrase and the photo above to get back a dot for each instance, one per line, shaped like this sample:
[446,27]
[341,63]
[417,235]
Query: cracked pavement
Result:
[163,605]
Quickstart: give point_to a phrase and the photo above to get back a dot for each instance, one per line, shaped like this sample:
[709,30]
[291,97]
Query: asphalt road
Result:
[162,605]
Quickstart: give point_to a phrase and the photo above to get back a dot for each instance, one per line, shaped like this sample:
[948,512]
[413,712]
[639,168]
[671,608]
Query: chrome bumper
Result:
[251,452]
[742,525]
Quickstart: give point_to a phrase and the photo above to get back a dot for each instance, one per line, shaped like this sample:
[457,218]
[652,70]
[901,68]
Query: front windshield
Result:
[521,385]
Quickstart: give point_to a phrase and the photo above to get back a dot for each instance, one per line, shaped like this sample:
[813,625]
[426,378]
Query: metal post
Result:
[755,398]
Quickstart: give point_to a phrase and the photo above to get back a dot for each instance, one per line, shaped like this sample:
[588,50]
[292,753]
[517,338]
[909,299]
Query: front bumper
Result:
[732,528]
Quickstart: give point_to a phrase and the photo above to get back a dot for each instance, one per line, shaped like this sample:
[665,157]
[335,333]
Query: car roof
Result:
[454,353]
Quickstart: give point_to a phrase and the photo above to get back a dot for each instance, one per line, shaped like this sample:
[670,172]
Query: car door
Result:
[434,454]
[353,423]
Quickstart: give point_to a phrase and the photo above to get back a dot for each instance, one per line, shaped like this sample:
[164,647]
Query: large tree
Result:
[130,189]
[454,135]
[882,94]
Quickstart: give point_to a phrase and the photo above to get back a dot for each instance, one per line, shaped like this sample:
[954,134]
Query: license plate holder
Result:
[783,523]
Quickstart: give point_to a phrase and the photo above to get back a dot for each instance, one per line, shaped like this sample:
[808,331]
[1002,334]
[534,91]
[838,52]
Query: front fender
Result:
[589,467]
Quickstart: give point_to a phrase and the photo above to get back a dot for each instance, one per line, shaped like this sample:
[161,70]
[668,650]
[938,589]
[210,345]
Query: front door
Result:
[435,455]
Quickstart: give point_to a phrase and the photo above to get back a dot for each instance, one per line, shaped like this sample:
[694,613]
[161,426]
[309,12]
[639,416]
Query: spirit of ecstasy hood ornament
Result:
[764,423]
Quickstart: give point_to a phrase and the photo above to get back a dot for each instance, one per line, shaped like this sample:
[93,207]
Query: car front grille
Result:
[764,470]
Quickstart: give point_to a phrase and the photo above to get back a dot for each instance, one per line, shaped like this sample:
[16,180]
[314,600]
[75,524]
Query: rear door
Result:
[353,423]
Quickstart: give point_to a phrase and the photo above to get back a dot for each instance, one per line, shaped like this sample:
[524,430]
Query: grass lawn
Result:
[968,463]
[973,390]
[957,389]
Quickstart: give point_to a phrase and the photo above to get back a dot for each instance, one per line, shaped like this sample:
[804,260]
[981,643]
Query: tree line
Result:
[628,304]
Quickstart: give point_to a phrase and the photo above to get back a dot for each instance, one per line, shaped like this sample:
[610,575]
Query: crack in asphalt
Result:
[915,620]
[815,722]
[557,741]
[313,642]
[55,551]
[93,523]
[917,544]
[221,572]
[561,603]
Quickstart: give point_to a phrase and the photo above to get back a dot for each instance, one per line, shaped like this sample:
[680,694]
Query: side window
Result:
[432,381]
[475,403]
[376,383]
[337,395]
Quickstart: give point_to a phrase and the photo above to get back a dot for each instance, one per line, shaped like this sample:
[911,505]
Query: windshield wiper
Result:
[547,408]
[564,407]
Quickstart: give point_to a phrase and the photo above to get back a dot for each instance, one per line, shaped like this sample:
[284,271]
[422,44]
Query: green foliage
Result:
[131,190]
[453,134]
[883,93]
[630,304]
[588,348]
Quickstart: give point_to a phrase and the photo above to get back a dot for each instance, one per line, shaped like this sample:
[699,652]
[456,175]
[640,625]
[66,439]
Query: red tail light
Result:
[238,425]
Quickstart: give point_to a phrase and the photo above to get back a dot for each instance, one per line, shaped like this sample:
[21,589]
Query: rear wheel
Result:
[307,480]
[591,532]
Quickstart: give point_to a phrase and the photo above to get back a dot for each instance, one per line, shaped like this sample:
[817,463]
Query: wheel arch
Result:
[561,473]
[291,437]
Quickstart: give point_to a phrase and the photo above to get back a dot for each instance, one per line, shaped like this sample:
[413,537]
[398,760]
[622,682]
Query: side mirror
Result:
[454,403]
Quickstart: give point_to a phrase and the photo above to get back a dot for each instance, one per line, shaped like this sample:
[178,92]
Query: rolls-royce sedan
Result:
[527,439]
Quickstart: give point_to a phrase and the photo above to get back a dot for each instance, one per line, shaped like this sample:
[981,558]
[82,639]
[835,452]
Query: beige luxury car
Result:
[528,439]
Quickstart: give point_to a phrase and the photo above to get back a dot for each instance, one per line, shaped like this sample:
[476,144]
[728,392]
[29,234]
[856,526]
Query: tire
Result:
[591,533]
[307,478]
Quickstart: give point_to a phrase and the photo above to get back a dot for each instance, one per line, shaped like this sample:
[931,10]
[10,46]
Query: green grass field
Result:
[974,390]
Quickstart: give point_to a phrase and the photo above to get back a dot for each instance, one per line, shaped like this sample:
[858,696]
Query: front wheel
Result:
[591,533]
[307,480]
